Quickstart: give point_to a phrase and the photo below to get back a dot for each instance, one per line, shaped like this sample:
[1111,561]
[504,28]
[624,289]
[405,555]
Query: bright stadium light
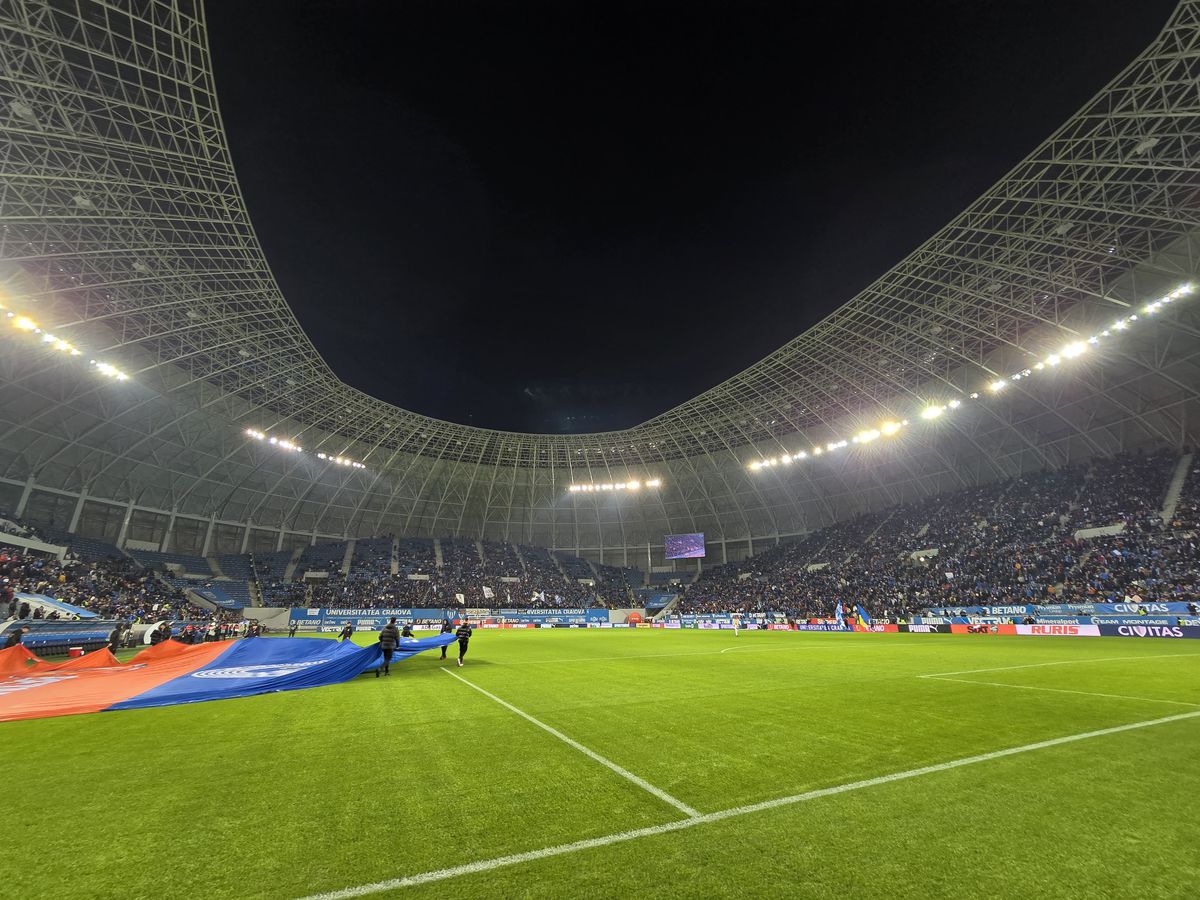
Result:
[933,411]
[24,323]
[632,485]
[110,371]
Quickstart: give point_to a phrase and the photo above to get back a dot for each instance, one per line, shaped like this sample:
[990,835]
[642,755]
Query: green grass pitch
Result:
[294,794]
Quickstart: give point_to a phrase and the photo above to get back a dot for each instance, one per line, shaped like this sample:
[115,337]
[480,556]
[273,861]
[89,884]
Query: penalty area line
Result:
[1034,687]
[591,754]
[486,865]
[1060,662]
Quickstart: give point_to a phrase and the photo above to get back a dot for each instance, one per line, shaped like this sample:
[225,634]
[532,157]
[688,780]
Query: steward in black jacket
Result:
[389,637]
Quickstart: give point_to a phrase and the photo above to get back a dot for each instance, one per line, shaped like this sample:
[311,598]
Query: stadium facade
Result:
[156,388]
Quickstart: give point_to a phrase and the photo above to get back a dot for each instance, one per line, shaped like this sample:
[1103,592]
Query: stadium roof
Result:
[124,235]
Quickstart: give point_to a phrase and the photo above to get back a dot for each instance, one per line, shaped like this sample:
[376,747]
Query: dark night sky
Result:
[571,216]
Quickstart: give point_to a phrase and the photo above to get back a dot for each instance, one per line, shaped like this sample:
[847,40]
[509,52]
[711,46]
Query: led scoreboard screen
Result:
[683,546]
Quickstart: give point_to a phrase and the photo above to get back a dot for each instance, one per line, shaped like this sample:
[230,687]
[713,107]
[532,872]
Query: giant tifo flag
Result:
[171,672]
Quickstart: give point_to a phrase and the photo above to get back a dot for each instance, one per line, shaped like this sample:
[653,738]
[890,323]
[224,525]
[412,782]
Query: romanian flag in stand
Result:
[171,672]
[862,622]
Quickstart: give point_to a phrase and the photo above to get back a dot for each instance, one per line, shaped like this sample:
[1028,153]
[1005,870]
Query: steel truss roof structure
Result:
[123,231]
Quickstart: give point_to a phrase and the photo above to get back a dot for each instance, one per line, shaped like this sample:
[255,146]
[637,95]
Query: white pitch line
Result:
[1061,662]
[591,754]
[486,865]
[1031,687]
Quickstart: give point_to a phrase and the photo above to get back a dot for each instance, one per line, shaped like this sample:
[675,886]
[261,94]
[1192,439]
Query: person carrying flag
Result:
[389,636]
[464,637]
[347,633]
[447,628]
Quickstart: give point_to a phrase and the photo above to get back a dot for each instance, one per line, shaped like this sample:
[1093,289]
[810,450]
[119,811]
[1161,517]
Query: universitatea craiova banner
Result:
[172,672]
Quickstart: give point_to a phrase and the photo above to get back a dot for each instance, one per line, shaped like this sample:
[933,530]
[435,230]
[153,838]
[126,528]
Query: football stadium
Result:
[907,608]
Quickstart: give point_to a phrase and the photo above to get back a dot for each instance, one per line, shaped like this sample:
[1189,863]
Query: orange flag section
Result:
[31,688]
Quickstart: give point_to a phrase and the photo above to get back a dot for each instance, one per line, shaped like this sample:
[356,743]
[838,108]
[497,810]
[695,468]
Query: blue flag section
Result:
[264,665]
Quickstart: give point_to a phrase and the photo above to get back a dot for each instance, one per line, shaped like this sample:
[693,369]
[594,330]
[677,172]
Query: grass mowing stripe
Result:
[591,754]
[543,662]
[1032,687]
[1061,662]
[650,831]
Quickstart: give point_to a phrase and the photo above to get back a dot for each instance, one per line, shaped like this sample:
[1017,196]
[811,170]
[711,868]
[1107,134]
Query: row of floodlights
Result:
[291,447]
[29,326]
[341,461]
[615,486]
[1079,348]
[1073,350]
[887,429]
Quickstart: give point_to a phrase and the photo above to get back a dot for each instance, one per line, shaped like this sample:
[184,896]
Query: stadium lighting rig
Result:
[341,461]
[933,411]
[274,441]
[292,447]
[614,486]
[27,326]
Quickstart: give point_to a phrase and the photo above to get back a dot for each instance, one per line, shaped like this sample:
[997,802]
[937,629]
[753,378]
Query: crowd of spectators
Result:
[115,589]
[1005,543]
[1127,488]
[474,574]
[1001,543]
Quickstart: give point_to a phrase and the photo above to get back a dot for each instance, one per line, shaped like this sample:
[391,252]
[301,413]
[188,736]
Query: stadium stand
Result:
[323,557]
[1002,543]
[113,589]
[1127,489]
[500,559]
[192,565]
[573,566]
[415,556]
